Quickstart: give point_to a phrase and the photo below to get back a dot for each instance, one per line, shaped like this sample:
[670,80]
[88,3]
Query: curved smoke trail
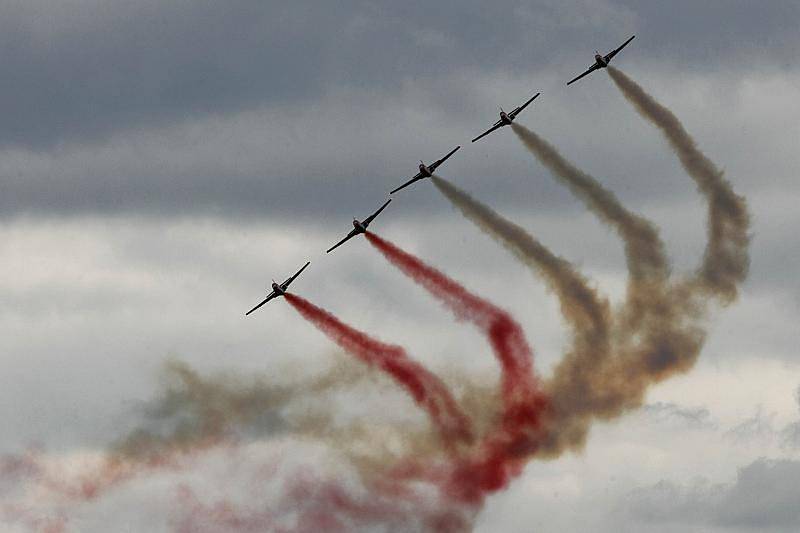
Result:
[656,331]
[582,307]
[505,335]
[515,437]
[573,392]
[726,260]
[424,387]
[644,250]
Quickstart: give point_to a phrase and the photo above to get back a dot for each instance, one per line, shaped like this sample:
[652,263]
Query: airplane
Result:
[506,118]
[426,171]
[359,227]
[278,290]
[602,61]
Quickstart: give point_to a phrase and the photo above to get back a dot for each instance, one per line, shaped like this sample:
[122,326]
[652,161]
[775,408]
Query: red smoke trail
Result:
[426,389]
[504,450]
[505,335]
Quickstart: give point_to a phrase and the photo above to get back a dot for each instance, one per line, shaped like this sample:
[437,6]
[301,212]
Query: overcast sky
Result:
[161,161]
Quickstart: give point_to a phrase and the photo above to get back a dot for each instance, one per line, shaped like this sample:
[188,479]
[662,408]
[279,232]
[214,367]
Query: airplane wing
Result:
[523,106]
[614,52]
[591,69]
[271,295]
[497,125]
[409,182]
[291,279]
[435,164]
[349,236]
[376,213]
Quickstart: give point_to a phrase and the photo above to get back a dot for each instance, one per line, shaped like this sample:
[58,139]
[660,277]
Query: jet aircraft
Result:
[278,290]
[426,171]
[506,118]
[359,227]
[602,61]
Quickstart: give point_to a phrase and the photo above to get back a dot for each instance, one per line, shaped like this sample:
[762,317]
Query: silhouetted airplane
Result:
[359,227]
[278,290]
[426,171]
[506,118]
[602,61]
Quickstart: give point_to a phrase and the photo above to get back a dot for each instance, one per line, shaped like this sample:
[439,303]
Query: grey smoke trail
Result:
[726,260]
[644,250]
[655,334]
[573,392]
[194,411]
[580,304]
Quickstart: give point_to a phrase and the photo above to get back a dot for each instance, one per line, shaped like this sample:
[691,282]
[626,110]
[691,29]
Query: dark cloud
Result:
[764,497]
[713,34]
[305,109]
[263,108]
[79,70]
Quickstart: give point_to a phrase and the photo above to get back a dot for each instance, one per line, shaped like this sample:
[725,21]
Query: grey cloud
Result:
[761,429]
[343,153]
[790,435]
[717,33]
[758,428]
[77,70]
[764,497]
[692,417]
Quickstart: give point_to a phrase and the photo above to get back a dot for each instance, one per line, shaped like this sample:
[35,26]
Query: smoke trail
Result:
[202,411]
[505,335]
[580,304]
[39,492]
[644,250]
[426,389]
[505,448]
[726,260]
[656,333]
[584,309]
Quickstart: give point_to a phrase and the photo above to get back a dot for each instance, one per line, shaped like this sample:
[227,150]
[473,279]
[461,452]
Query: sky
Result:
[162,161]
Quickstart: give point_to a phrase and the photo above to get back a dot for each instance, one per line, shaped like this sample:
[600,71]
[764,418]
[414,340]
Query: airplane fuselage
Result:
[278,289]
[360,228]
[425,171]
[601,61]
[505,119]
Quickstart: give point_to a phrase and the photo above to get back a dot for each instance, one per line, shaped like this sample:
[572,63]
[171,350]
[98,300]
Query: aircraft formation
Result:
[426,171]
